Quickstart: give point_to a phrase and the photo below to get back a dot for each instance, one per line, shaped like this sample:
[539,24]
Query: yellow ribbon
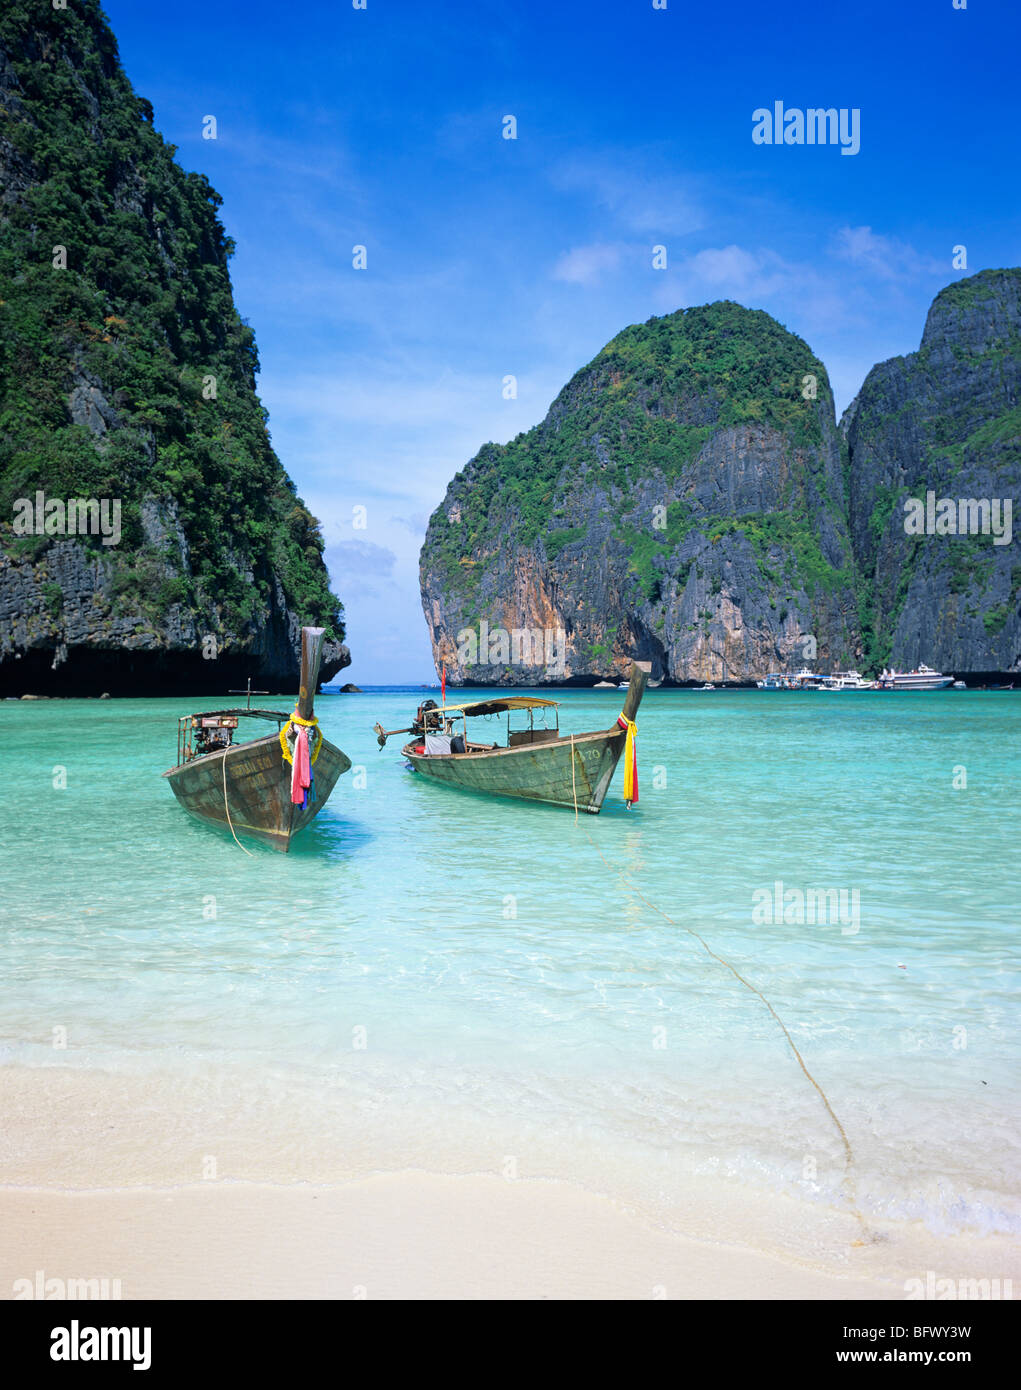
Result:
[630,789]
[312,723]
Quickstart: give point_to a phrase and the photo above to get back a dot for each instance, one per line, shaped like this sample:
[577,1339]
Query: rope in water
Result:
[850,1175]
[227,808]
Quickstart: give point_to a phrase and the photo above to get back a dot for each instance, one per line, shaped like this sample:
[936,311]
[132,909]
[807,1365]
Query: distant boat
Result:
[806,679]
[959,685]
[846,680]
[535,764]
[921,678]
[707,686]
[800,680]
[248,786]
[1002,687]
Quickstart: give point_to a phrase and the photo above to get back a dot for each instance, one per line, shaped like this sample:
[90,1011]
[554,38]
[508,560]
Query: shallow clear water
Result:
[435,979]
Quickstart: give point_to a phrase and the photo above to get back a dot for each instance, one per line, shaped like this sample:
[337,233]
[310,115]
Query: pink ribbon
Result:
[301,771]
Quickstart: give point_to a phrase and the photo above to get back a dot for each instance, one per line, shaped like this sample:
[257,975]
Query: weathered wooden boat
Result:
[537,763]
[247,787]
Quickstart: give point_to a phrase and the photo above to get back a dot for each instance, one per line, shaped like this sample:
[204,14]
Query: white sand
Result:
[407,1236]
[97,1179]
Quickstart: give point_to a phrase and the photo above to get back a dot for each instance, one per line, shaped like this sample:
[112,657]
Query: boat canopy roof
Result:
[507,702]
[280,716]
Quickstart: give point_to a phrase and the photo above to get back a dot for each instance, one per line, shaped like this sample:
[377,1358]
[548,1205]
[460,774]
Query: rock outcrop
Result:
[683,502]
[127,377]
[689,500]
[946,421]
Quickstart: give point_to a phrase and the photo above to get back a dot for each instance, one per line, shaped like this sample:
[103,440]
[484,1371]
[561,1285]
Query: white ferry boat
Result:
[800,680]
[846,680]
[921,678]
[806,679]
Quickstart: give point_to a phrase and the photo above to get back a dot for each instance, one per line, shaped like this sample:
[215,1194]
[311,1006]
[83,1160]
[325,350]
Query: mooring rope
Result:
[227,808]
[850,1181]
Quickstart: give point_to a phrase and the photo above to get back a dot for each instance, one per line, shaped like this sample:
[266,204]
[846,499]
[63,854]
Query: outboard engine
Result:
[419,726]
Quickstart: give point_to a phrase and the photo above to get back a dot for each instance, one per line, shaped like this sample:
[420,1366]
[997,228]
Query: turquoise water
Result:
[439,980]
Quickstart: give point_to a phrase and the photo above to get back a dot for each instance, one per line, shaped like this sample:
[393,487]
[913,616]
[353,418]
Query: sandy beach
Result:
[284,1215]
[404,1236]
[477,1236]
[427,1236]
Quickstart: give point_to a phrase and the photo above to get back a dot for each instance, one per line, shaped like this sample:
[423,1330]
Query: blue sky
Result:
[490,257]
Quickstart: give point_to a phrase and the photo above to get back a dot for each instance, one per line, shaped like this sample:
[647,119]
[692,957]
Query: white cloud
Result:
[362,557]
[416,524]
[888,257]
[584,265]
[759,278]
[637,198]
[734,269]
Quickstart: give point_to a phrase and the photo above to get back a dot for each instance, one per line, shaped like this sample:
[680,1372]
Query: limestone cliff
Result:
[127,376]
[688,499]
[682,502]
[944,420]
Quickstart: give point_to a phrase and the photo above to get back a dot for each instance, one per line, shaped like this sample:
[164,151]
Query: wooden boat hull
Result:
[554,772]
[258,789]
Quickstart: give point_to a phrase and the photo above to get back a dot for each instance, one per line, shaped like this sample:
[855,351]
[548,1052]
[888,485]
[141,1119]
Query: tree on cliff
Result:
[126,372]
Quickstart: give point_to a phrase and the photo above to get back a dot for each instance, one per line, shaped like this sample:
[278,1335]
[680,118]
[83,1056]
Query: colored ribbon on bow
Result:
[296,722]
[301,770]
[630,759]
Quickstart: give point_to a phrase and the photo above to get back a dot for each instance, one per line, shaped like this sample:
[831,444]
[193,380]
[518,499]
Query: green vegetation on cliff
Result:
[946,420]
[684,497]
[139,330]
[648,403]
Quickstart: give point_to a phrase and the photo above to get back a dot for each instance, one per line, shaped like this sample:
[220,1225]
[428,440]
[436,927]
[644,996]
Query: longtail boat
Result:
[537,762]
[251,787]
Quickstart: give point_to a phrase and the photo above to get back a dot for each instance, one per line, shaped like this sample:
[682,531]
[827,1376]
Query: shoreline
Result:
[419,1236]
[409,1235]
[180,1199]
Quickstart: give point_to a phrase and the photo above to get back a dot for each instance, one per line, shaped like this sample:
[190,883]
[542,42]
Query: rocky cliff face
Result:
[945,420]
[689,500]
[127,377]
[682,502]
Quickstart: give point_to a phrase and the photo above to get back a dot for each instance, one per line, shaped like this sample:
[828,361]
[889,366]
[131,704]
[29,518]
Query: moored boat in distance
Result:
[846,680]
[799,680]
[536,763]
[252,787]
[921,678]
[806,679]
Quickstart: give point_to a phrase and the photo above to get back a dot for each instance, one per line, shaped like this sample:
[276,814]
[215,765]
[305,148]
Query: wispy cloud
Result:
[885,256]
[585,265]
[636,189]
[759,278]
[363,557]
[361,569]
[416,524]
